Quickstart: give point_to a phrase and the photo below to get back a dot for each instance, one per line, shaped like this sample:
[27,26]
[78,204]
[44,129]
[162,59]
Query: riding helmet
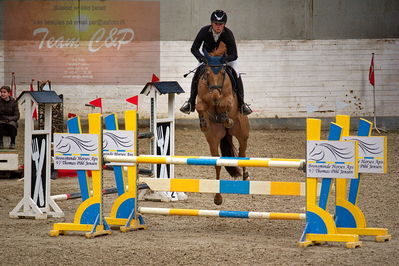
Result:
[219,16]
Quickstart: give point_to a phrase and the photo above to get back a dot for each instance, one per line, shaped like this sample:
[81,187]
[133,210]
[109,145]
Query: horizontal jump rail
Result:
[77,195]
[142,171]
[145,135]
[227,186]
[212,161]
[223,214]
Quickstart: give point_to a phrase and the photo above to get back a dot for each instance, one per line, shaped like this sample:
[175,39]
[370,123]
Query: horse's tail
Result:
[229,150]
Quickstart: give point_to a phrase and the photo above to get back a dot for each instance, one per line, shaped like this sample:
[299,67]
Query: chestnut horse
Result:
[220,118]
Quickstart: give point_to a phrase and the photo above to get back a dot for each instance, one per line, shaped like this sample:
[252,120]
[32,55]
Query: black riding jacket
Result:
[205,37]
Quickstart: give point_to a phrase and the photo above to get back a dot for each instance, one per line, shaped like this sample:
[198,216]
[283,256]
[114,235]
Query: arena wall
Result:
[298,59]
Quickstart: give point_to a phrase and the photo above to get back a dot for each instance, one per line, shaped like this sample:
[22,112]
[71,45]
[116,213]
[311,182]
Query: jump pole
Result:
[77,195]
[266,188]
[210,161]
[223,214]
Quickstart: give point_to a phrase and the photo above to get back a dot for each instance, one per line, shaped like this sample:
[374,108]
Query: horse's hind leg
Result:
[214,148]
[242,153]
[218,199]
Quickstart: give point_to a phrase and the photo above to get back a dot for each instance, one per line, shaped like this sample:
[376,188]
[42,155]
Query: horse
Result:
[219,115]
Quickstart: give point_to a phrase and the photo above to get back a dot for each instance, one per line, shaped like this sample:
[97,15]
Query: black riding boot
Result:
[243,107]
[189,105]
[12,144]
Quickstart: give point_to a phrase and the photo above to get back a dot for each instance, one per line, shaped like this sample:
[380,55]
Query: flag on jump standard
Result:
[34,105]
[154,78]
[97,103]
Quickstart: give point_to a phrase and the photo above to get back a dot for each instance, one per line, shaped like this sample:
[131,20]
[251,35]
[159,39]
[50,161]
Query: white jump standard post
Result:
[37,202]
[163,129]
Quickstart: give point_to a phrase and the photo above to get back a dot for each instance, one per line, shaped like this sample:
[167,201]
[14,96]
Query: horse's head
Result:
[214,75]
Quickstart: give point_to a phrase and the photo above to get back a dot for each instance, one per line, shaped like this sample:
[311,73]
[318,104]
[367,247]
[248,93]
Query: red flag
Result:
[371,71]
[154,78]
[31,85]
[134,100]
[70,115]
[13,91]
[34,105]
[97,103]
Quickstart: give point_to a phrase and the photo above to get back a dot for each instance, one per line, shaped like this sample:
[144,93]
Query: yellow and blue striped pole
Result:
[210,161]
[272,188]
[223,214]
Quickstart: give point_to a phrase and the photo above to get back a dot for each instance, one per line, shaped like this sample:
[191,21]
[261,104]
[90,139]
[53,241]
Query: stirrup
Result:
[186,108]
[245,109]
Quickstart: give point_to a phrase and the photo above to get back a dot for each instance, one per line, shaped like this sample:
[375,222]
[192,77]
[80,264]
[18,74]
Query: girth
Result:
[218,118]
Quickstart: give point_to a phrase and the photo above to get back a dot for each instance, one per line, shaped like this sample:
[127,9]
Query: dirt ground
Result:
[207,241]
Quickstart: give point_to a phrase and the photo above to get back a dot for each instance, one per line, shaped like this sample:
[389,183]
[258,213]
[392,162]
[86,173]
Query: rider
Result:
[210,36]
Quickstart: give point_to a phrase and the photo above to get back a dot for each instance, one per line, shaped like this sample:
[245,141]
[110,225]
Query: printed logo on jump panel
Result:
[330,152]
[372,153]
[76,151]
[118,142]
[332,159]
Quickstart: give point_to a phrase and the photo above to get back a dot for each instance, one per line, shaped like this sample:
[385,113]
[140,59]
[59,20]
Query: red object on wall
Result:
[371,71]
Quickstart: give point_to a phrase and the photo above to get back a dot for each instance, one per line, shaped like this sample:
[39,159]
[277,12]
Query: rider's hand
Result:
[203,60]
[223,60]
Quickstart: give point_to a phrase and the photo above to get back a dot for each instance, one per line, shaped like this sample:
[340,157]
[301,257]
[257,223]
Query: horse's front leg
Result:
[201,115]
[224,109]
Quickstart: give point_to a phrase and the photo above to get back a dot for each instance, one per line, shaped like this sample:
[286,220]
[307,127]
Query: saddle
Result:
[233,77]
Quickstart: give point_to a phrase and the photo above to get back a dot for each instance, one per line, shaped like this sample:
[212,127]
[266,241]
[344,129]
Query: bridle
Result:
[218,87]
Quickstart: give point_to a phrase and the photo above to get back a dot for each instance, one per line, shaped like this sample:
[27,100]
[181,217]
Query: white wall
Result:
[282,79]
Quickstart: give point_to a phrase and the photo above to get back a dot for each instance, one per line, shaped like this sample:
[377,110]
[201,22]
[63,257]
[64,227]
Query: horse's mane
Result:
[221,50]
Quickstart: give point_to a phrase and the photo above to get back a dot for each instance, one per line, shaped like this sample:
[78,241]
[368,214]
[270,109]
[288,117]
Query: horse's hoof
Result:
[245,176]
[218,200]
[229,123]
